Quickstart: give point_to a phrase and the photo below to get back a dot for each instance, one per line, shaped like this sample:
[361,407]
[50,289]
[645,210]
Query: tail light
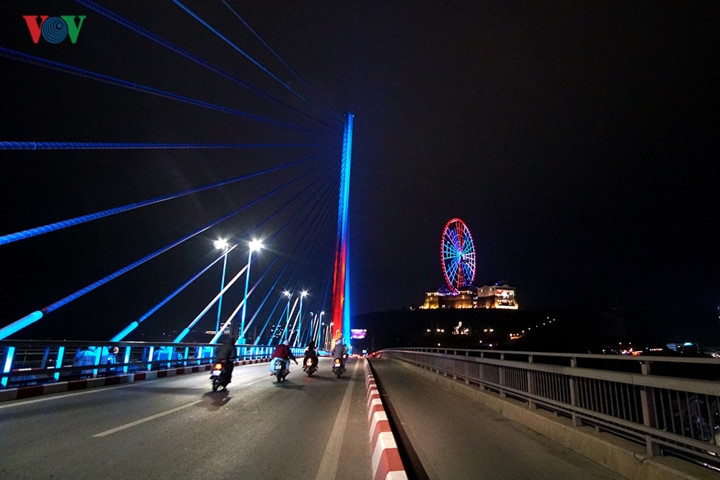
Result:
[337,361]
[309,362]
[218,366]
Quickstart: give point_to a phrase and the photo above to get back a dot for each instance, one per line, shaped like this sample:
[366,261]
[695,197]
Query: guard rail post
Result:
[646,400]
[576,421]
[531,384]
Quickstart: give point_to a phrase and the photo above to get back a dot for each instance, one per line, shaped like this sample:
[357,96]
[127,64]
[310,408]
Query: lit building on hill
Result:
[488,296]
[497,296]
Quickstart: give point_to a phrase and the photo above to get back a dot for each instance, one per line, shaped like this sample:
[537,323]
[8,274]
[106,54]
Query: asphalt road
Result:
[456,438]
[304,428]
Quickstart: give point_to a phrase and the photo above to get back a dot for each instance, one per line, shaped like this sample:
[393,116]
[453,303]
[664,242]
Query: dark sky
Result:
[577,140]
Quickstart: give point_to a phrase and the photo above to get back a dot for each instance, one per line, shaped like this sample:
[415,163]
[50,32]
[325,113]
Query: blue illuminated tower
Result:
[341,281]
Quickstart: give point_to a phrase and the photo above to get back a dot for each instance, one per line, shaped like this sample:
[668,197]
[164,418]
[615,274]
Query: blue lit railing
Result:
[25,363]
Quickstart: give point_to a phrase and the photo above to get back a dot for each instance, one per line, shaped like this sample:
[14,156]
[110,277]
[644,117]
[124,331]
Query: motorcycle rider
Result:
[339,351]
[224,353]
[283,351]
[311,353]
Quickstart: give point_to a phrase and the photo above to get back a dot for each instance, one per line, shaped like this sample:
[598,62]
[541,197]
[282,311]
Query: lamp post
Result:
[303,294]
[254,245]
[221,245]
[287,315]
[320,332]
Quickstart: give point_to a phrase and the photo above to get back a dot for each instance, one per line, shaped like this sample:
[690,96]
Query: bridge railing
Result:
[25,363]
[671,405]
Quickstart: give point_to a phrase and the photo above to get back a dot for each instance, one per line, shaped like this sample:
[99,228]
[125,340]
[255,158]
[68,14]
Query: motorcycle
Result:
[220,376]
[310,367]
[279,369]
[338,367]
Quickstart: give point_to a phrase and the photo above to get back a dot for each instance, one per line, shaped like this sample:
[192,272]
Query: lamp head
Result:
[256,245]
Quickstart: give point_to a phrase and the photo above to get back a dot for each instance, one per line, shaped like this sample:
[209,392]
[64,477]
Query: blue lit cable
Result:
[186,330]
[135,323]
[81,72]
[37,315]
[265,44]
[33,232]
[276,234]
[170,46]
[240,51]
[10,145]
[310,227]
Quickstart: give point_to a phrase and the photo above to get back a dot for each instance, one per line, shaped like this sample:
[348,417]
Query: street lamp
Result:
[221,244]
[287,315]
[255,245]
[320,330]
[303,294]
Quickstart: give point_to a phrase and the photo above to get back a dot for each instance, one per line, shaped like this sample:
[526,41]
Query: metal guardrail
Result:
[25,363]
[671,405]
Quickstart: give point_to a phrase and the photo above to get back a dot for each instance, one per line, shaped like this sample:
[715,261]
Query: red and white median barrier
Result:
[386,461]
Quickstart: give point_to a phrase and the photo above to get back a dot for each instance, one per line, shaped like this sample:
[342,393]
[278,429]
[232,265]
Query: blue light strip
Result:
[150,358]
[81,72]
[9,355]
[126,360]
[20,324]
[10,145]
[98,357]
[58,362]
[33,232]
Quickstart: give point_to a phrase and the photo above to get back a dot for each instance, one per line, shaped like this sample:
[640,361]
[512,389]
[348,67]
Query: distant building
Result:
[443,298]
[492,296]
[497,296]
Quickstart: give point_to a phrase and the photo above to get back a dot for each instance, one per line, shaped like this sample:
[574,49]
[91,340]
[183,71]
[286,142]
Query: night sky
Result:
[577,140]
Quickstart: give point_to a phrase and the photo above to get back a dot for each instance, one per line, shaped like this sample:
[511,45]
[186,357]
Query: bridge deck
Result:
[454,437]
[177,428]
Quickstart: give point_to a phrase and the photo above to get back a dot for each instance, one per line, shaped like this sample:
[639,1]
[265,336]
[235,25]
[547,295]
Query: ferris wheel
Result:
[457,253]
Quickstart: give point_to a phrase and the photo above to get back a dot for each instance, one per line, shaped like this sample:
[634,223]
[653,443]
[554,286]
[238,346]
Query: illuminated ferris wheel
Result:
[457,253]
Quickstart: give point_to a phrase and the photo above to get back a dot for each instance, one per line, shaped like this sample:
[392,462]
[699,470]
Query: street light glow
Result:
[256,245]
[304,293]
[220,244]
[287,294]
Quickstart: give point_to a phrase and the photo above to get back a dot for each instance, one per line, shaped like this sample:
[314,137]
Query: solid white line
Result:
[329,464]
[146,419]
[162,414]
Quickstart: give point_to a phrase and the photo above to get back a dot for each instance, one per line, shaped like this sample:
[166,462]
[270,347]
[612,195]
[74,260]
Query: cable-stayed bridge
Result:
[126,229]
[169,176]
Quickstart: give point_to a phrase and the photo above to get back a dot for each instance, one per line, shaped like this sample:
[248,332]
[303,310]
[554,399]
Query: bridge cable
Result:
[35,316]
[174,48]
[276,55]
[81,72]
[52,227]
